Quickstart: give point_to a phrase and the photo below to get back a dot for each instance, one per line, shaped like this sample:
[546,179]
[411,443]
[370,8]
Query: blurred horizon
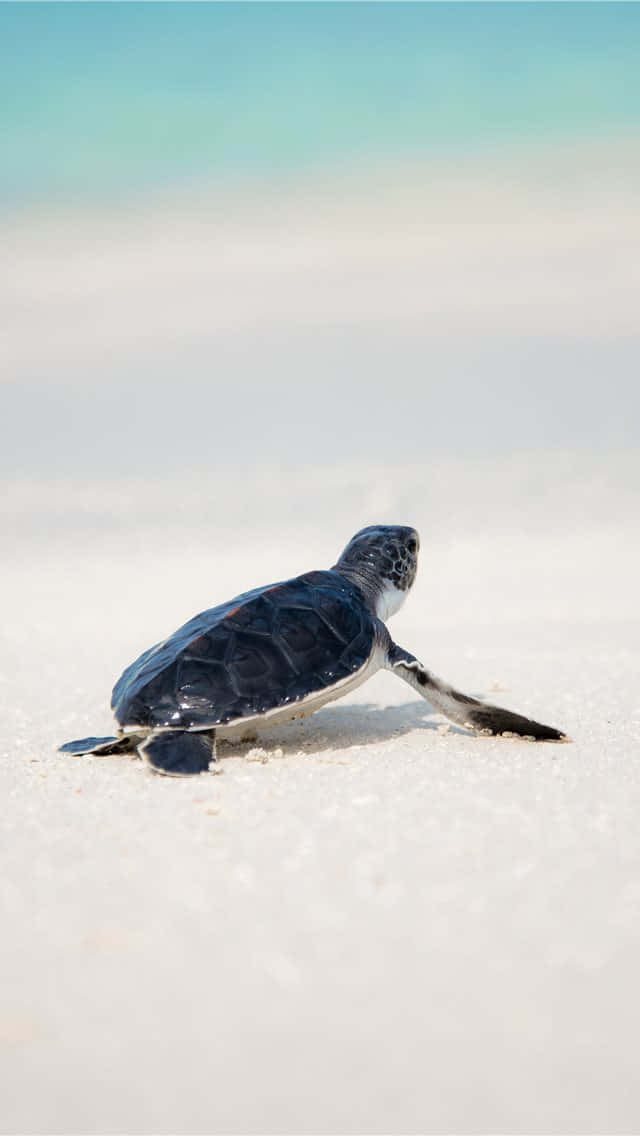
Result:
[275,234]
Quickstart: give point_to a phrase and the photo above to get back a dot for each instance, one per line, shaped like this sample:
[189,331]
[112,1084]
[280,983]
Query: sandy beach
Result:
[364,922]
[273,273]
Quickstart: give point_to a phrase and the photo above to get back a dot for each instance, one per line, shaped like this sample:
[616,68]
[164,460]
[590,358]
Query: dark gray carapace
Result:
[279,651]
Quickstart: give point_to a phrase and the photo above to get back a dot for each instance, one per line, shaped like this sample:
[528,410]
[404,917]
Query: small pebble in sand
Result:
[256,753]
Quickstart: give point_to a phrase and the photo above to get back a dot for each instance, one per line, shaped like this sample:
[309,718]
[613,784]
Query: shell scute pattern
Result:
[269,648]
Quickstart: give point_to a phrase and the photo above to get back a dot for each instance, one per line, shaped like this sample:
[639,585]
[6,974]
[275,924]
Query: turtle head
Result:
[382,560]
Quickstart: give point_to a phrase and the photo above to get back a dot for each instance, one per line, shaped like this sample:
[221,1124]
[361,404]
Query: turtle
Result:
[280,652]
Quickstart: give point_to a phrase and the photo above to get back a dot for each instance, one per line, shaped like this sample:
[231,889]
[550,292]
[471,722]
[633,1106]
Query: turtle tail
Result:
[126,743]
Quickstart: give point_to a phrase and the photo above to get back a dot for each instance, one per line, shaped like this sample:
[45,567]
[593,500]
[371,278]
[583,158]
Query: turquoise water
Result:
[108,98]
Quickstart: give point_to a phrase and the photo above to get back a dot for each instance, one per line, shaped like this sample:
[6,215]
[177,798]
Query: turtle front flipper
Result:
[179,753]
[461,708]
[103,746]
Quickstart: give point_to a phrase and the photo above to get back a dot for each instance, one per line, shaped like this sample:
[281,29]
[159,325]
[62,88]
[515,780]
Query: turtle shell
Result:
[263,650]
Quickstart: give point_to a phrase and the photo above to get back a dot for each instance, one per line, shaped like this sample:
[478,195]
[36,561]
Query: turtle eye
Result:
[412,546]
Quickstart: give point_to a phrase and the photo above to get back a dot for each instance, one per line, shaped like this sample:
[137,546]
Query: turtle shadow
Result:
[340,728]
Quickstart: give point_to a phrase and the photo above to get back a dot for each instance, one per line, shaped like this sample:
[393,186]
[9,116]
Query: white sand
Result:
[363,924]
[518,243]
[462,307]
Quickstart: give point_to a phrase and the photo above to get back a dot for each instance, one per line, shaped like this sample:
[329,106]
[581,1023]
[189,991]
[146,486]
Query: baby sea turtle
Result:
[279,652]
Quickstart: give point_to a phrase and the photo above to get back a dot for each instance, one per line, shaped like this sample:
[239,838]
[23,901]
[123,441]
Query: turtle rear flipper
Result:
[125,744]
[179,753]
